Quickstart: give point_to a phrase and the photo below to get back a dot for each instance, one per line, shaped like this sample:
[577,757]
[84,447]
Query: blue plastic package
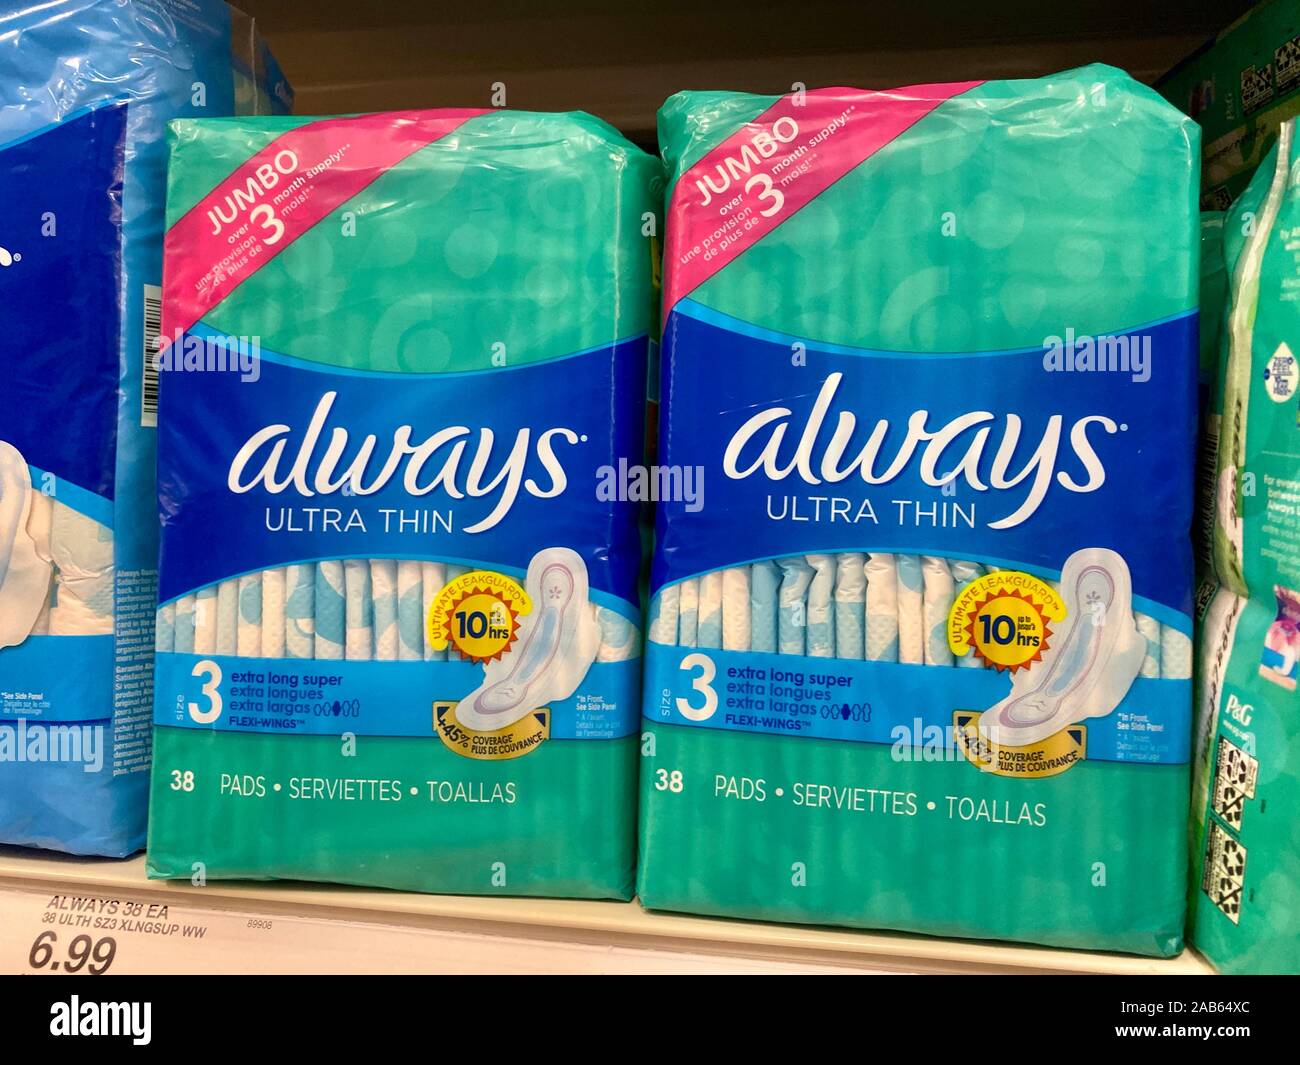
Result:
[86,90]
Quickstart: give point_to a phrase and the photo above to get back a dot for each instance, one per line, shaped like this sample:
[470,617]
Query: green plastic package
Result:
[920,659]
[1240,87]
[1246,914]
[399,633]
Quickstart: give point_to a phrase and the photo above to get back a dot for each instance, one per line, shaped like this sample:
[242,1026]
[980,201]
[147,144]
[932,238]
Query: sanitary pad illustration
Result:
[1091,664]
[556,645]
[24,573]
[57,570]
[82,551]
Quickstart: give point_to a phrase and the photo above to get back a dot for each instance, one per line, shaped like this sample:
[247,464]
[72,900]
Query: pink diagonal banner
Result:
[770,168]
[276,195]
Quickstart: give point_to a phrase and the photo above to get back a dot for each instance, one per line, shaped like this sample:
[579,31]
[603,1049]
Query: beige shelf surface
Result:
[231,926]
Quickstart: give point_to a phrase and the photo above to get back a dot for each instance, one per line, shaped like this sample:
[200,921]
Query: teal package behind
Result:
[88,88]
[919,648]
[1246,835]
[1240,87]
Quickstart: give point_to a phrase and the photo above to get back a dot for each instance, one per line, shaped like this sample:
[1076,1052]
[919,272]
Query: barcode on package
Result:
[150,335]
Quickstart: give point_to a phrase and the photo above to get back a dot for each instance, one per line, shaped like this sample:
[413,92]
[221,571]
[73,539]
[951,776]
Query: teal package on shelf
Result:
[920,657]
[412,659]
[1246,828]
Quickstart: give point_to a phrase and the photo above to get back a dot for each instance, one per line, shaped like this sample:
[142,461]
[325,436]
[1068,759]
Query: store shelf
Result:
[622,61]
[295,927]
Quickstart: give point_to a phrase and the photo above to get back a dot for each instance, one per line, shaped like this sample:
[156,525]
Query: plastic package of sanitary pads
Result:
[88,88]
[399,640]
[919,653]
[1246,913]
